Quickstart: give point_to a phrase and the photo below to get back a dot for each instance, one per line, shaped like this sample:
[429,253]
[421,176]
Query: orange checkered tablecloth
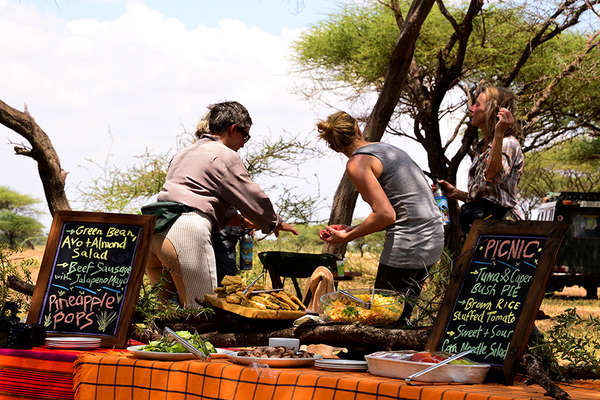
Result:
[99,377]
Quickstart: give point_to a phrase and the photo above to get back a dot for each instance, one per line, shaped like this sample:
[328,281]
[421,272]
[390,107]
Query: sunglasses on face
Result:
[245,134]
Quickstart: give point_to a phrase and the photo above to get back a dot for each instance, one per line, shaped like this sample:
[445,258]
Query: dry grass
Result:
[36,253]
[570,297]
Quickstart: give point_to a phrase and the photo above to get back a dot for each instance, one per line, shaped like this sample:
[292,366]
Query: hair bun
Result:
[324,127]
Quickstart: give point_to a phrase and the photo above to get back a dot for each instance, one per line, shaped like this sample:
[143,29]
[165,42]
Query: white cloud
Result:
[142,76]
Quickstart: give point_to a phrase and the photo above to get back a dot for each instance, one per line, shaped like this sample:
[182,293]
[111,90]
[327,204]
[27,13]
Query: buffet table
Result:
[99,377]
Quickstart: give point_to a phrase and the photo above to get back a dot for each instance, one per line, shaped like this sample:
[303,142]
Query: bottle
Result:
[442,203]
[246,244]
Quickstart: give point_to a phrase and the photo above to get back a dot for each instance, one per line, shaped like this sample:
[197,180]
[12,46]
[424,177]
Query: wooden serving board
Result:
[248,312]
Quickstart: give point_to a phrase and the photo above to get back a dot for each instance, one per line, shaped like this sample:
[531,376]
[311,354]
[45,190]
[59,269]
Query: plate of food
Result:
[169,350]
[275,357]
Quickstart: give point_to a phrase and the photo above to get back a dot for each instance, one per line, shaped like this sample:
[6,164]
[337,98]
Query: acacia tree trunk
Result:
[42,151]
[345,197]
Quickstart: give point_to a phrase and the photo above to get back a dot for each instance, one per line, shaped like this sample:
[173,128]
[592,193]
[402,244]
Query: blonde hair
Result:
[202,127]
[338,130]
[497,97]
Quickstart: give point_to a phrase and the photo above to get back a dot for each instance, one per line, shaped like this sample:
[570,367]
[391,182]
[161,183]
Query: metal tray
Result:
[275,362]
[398,368]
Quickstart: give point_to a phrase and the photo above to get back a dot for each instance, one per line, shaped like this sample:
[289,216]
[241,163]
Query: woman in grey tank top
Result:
[401,203]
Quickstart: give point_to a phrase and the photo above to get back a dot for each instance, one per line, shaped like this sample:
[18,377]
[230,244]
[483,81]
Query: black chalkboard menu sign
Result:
[495,291]
[90,275]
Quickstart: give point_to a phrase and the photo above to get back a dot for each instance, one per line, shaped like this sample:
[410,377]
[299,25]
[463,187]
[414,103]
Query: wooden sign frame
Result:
[146,225]
[553,232]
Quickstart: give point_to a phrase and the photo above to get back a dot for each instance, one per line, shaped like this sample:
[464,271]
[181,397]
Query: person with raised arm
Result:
[497,163]
[401,203]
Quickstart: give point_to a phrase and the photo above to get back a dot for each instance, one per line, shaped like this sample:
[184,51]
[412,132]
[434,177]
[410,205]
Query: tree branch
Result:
[455,133]
[536,371]
[42,151]
[541,36]
[531,115]
[448,16]
[394,5]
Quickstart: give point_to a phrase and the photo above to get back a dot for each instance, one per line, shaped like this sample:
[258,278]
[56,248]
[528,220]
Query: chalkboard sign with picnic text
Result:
[90,275]
[495,291]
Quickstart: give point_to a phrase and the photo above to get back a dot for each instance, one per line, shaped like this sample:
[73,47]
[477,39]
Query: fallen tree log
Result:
[19,285]
[538,375]
[350,336]
[237,339]
[358,335]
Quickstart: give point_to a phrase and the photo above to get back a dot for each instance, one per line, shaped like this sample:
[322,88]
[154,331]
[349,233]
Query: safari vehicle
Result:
[578,260]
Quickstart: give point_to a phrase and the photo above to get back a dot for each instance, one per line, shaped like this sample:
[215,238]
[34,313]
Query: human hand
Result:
[246,223]
[334,233]
[505,121]
[449,189]
[284,226]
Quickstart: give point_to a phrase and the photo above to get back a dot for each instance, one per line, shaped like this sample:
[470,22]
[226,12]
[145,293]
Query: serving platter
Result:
[275,362]
[139,352]
[392,365]
[253,313]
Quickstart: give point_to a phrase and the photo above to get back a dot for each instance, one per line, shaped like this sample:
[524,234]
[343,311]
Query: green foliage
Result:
[429,300]
[13,265]
[16,202]
[574,340]
[352,47]
[151,307]
[17,218]
[125,189]
[351,50]
[296,209]
[307,241]
[580,153]
[573,165]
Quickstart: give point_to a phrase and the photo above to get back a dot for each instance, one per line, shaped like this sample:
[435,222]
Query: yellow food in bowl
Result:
[386,308]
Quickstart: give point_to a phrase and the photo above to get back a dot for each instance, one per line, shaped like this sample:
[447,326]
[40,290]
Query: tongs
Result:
[169,332]
[363,303]
[252,284]
[266,291]
[434,366]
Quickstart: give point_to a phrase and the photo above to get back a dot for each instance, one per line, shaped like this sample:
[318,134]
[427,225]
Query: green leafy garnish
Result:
[350,311]
[169,345]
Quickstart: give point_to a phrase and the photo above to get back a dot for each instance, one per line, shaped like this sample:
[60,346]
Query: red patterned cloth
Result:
[39,373]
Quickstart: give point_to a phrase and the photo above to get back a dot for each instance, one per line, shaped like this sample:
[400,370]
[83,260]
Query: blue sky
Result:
[269,15]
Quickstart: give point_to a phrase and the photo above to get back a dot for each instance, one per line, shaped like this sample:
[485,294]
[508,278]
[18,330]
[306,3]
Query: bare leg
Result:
[163,264]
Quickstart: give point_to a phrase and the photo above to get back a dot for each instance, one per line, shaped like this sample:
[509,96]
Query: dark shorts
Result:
[400,279]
